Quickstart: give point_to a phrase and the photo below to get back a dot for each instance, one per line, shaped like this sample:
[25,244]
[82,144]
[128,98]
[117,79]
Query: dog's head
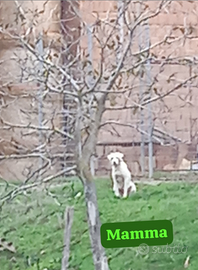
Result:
[115,158]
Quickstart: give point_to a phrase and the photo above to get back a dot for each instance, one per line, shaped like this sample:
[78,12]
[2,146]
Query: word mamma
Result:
[127,235]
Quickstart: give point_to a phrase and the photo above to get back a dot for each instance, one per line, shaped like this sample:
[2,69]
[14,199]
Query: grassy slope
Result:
[35,226]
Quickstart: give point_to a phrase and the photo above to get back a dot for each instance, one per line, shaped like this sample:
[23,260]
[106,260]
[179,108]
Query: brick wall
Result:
[177,111]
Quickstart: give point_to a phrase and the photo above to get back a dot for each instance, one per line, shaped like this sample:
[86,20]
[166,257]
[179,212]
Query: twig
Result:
[130,126]
[169,92]
[28,126]
[35,155]
[13,193]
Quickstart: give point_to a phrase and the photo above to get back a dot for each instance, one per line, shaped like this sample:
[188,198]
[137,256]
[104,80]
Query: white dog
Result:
[121,175]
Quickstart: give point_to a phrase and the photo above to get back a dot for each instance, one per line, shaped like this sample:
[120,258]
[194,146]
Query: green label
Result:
[132,234]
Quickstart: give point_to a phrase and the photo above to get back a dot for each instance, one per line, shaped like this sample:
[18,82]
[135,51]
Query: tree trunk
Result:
[99,257]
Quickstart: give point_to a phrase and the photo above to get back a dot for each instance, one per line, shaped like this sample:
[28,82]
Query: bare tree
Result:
[90,84]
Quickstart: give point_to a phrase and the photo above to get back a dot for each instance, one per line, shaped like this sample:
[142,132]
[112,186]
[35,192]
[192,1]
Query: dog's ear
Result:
[109,157]
[121,155]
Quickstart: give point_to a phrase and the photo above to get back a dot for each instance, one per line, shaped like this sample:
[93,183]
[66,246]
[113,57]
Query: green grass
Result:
[34,223]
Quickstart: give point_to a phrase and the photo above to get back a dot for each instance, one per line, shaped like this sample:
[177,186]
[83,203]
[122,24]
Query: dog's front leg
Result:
[126,186]
[115,187]
[114,182]
[116,191]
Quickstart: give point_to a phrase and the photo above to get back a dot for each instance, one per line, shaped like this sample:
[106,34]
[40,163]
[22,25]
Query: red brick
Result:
[174,19]
[153,5]
[181,7]
[102,6]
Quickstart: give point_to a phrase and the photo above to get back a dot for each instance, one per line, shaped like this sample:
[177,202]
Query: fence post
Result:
[69,213]
[144,42]
[141,93]
[150,115]
[39,49]
[90,82]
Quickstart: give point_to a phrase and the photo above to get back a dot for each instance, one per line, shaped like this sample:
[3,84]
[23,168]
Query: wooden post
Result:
[69,212]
